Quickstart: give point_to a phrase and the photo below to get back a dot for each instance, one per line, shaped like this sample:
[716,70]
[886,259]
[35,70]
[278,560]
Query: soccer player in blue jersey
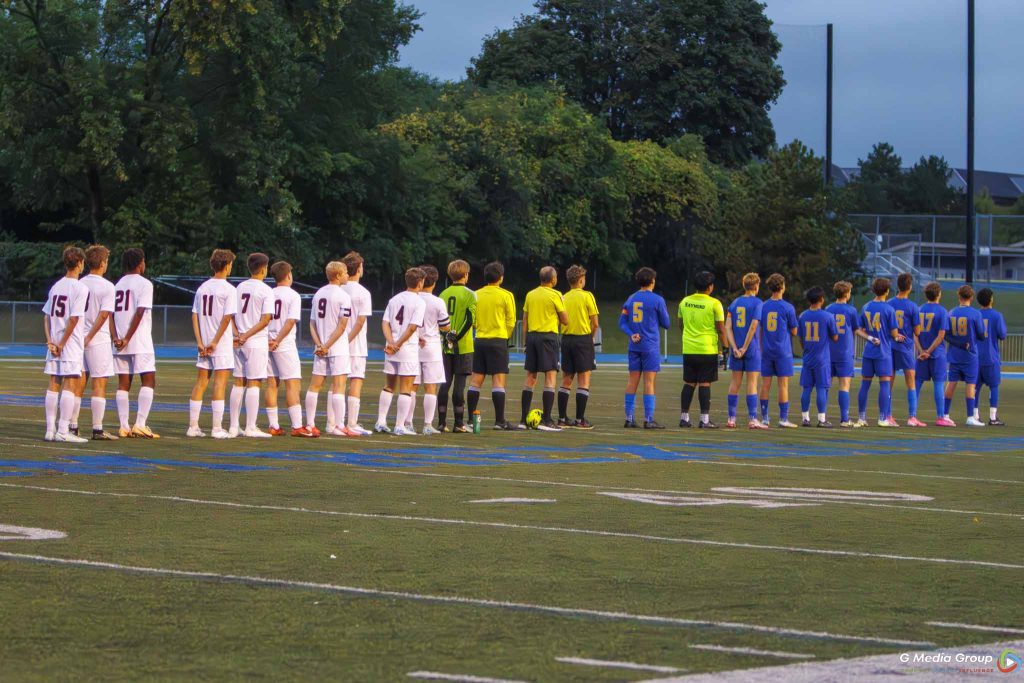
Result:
[966,332]
[742,326]
[643,317]
[931,354]
[879,318]
[904,356]
[843,349]
[989,362]
[817,331]
[778,327]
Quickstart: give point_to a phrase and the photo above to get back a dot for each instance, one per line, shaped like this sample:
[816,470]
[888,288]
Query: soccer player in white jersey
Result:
[431,374]
[362,309]
[212,317]
[329,320]
[99,352]
[252,346]
[402,319]
[284,367]
[133,343]
[64,310]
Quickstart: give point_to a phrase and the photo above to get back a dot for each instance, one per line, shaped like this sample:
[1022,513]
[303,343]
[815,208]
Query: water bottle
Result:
[476,421]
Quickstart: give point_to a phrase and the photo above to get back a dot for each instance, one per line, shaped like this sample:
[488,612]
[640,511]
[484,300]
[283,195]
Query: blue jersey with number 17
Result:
[644,313]
[934,319]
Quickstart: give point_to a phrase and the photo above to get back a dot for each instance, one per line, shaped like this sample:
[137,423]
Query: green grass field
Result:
[357,560]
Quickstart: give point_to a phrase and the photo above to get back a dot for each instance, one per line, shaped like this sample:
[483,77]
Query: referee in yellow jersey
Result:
[543,311]
[495,321]
[577,348]
[702,320]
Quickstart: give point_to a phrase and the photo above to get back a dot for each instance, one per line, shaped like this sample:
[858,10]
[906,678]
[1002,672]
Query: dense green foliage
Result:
[883,186]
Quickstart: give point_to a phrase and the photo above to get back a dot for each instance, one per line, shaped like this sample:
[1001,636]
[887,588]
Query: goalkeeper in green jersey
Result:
[458,346]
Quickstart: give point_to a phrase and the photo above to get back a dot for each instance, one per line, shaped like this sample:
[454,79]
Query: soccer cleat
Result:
[652,424]
[73,429]
[234,432]
[69,438]
[707,425]
[443,429]
[194,433]
[630,424]
[303,433]
[860,423]
[221,434]
[996,422]
[806,423]
[381,428]
[825,425]
[730,423]
[974,422]
[256,433]
[462,429]
[914,422]
[359,429]
[329,429]
[430,431]
[521,427]
[504,427]
[846,425]
[402,431]
[757,424]
[886,423]
[786,424]
[684,424]
[100,435]
[565,422]
[352,432]
[766,423]
[124,433]
[892,421]
[276,431]
[549,426]
[49,436]
[582,424]
[144,432]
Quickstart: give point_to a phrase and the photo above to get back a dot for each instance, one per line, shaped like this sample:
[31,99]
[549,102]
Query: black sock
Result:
[581,402]
[527,399]
[442,404]
[498,398]
[458,400]
[686,398]
[563,403]
[549,403]
[474,399]
[704,398]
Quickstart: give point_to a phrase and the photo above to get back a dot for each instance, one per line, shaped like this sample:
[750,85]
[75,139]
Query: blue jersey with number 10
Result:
[644,313]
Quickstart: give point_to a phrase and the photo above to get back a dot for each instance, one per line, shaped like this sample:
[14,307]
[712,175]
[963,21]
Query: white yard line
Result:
[620,665]
[839,469]
[531,527]
[976,627]
[456,600]
[460,678]
[750,651]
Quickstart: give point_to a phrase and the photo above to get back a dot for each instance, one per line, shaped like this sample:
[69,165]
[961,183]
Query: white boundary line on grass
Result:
[976,627]
[750,651]
[839,469]
[457,600]
[531,527]
[656,668]
[459,678]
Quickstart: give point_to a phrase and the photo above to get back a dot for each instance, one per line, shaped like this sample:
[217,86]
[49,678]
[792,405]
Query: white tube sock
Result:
[331,419]
[353,410]
[145,404]
[384,407]
[194,410]
[311,399]
[67,407]
[404,409]
[51,403]
[429,408]
[338,401]
[252,407]
[295,414]
[123,404]
[77,411]
[99,410]
[218,415]
[272,418]
[235,406]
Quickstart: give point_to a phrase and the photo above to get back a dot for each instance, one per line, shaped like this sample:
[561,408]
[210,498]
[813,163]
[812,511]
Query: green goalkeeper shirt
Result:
[461,303]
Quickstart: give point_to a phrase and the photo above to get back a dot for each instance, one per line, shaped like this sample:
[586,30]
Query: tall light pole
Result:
[969,271]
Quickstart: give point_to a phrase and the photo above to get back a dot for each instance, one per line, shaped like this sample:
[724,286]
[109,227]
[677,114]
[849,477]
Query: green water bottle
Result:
[476,421]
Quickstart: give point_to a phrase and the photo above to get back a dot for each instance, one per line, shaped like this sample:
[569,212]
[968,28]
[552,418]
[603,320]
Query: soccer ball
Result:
[533,418]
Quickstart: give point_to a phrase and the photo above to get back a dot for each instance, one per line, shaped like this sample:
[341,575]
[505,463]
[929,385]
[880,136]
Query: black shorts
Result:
[490,357]
[577,353]
[461,364]
[700,368]
[541,351]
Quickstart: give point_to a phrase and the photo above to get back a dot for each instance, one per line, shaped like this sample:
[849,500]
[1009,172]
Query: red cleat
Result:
[306,432]
[276,431]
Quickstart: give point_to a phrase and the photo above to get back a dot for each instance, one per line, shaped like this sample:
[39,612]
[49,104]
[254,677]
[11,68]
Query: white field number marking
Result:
[694,501]
[26,533]
[822,494]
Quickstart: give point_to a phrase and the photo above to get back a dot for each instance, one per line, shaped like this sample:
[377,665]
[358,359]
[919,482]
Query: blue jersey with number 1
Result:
[644,313]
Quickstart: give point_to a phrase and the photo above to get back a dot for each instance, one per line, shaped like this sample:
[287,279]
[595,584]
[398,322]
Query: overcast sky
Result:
[900,71]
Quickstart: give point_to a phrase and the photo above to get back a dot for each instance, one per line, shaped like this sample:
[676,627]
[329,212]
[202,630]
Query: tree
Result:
[651,70]
[880,185]
[926,187]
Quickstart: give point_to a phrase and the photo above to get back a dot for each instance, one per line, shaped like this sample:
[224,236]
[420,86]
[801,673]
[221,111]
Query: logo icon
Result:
[1009,661]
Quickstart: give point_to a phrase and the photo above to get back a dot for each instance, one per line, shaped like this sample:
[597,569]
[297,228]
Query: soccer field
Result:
[579,556]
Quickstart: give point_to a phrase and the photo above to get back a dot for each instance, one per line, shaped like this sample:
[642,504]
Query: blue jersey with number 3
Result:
[644,313]
[742,312]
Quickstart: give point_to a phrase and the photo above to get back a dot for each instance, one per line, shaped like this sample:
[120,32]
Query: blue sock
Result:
[862,397]
[993,397]
[734,401]
[752,406]
[884,398]
[805,399]
[822,400]
[630,404]
[649,401]
[947,403]
[939,389]
[970,407]
[844,406]
[764,409]
[912,402]
[783,411]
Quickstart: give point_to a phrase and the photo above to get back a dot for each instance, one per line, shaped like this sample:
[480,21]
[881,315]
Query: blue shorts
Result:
[933,369]
[903,358]
[644,361]
[843,368]
[964,372]
[876,367]
[990,375]
[745,364]
[776,367]
[820,377]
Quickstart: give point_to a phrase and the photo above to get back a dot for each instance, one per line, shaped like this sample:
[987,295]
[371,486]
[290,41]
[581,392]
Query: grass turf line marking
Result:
[27,533]
[976,627]
[531,527]
[70,448]
[461,678]
[620,665]
[457,600]
[838,469]
[514,500]
[750,651]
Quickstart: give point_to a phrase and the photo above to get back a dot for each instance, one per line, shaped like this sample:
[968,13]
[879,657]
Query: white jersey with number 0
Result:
[215,299]
[66,300]
[287,306]
[331,306]
[362,305]
[101,298]
[255,300]
[435,316]
[131,293]
[405,309]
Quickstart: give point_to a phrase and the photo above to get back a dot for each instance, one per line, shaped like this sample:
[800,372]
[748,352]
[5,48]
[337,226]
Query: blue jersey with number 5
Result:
[645,313]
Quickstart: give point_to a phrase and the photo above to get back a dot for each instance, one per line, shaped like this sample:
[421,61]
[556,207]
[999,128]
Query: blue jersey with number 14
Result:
[879,319]
[644,313]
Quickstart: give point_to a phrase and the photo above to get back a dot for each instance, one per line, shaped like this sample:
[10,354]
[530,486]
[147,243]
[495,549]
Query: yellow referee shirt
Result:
[542,307]
[699,313]
[495,313]
[579,306]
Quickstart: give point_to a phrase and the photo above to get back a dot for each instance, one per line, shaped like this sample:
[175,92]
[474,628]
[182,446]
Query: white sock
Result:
[295,413]
[412,412]
[77,410]
[684,416]
[429,408]
[252,407]
[195,408]
[51,403]
[806,416]
[122,400]
[99,409]
[353,410]
[272,417]
[331,421]
[338,401]
[384,406]
[145,404]
[992,413]
[67,407]
[822,417]
[977,412]
[404,409]
[235,406]
[218,414]
[311,399]
[705,418]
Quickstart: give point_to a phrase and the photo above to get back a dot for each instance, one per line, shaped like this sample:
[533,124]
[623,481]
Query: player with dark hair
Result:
[702,322]
[966,334]
[213,311]
[362,310]
[879,318]
[457,349]
[904,356]
[64,331]
[578,340]
[284,366]
[253,313]
[931,355]
[99,353]
[742,327]
[643,317]
[817,330]
[133,343]
[778,327]
[842,351]
[495,323]
[989,362]
[401,325]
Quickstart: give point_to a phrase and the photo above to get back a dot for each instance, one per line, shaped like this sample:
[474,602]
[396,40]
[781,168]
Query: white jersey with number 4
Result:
[131,293]
[255,300]
[215,299]
[67,300]
[405,309]
[331,306]
[435,316]
[287,306]
[362,305]
[101,298]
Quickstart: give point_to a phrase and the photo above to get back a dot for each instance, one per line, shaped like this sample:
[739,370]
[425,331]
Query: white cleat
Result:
[256,433]
[69,438]
[234,433]
[195,433]
[429,431]
[360,430]
[788,425]
[222,434]
[50,436]
[382,428]
[886,423]
[974,422]
[402,431]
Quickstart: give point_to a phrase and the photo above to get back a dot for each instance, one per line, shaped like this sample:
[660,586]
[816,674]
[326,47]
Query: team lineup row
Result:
[96,329]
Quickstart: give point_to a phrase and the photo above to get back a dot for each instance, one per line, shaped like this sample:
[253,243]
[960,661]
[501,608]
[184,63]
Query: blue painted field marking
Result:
[111,464]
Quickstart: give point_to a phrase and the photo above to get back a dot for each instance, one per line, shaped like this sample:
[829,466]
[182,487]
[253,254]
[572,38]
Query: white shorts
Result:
[285,365]
[213,363]
[251,363]
[331,366]
[99,361]
[358,368]
[63,368]
[134,363]
[402,369]
[431,372]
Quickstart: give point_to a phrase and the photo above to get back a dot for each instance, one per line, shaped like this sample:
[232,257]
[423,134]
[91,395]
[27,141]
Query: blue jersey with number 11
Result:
[644,313]
[817,328]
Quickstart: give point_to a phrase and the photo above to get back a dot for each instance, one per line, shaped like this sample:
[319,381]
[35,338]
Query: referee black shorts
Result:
[700,368]
[490,357]
[541,351]
[577,353]
[457,364]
